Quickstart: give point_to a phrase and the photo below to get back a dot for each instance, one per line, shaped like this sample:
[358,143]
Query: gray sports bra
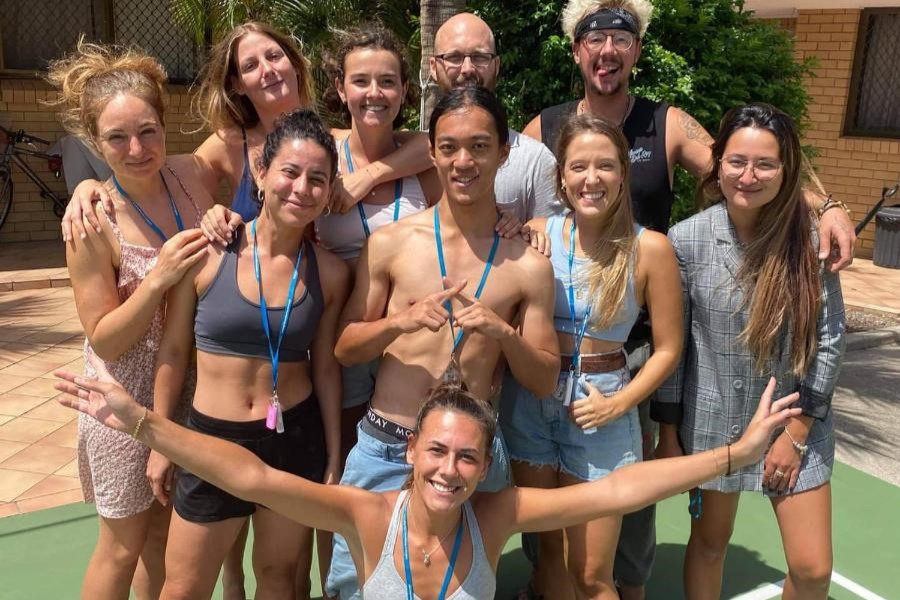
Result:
[228,323]
[385,582]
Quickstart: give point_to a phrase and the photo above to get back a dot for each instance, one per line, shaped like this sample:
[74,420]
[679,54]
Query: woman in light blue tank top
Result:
[606,268]
[435,540]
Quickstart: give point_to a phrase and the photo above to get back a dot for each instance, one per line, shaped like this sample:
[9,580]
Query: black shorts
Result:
[300,450]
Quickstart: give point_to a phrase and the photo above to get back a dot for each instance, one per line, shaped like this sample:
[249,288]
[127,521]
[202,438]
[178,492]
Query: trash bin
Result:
[887,238]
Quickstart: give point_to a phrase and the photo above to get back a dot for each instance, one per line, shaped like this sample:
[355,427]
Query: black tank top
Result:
[228,323]
[645,129]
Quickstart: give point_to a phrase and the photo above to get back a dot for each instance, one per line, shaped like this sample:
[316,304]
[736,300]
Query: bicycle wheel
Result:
[6,194]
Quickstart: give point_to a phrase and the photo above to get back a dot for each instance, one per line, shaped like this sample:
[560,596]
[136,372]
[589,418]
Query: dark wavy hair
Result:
[372,36]
[780,270]
[466,97]
[300,124]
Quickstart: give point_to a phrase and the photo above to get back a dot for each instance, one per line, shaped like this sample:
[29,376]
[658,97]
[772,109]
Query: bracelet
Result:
[137,428]
[801,449]
[728,471]
[831,203]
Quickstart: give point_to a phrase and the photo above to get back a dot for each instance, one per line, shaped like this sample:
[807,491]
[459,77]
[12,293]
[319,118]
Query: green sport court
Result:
[43,555]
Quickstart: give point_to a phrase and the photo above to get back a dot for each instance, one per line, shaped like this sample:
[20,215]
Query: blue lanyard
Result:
[484,276]
[576,352]
[398,191]
[145,216]
[454,554]
[274,350]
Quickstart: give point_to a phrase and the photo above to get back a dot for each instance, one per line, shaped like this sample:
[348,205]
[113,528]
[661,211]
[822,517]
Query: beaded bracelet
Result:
[137,428]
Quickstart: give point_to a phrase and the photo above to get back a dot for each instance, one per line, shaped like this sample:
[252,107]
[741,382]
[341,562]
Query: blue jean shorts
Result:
[539,431]
[380,466]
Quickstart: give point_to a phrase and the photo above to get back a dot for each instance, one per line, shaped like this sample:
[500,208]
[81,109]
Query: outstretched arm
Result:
[636,486]
[223,464]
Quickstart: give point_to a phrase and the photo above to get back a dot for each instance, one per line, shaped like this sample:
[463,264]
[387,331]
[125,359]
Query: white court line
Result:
[854,587]
[773,590]
[770,590]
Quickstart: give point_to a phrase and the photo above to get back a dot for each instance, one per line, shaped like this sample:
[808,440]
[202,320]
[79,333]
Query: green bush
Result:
[703,56]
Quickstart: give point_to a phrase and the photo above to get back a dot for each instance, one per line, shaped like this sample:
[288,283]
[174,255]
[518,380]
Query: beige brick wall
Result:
[854,169]
[21,107]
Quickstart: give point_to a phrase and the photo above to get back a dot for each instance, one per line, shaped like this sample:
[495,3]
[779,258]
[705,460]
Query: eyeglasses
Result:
[456,59]
[622,40]
[764,170]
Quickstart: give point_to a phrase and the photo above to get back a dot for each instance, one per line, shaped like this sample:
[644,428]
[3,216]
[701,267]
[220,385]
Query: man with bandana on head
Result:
[606,37]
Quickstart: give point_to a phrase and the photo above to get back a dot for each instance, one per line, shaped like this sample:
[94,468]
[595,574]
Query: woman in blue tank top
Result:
[435,539]
[263,313]
[606,268]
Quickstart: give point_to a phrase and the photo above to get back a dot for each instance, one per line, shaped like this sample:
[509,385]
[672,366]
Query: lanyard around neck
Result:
[156,229]
[578,332]
[443,265]
[454,554]
[398,192]
[274,349]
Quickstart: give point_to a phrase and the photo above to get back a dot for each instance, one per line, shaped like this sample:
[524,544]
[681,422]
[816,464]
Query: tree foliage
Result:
[704,56]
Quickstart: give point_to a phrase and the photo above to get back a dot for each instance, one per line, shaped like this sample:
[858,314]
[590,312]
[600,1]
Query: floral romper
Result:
[112,465]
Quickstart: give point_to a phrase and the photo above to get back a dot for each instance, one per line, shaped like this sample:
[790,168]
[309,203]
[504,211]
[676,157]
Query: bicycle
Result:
[14,153]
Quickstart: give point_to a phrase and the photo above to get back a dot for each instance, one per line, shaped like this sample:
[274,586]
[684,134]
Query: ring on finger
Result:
[778,474]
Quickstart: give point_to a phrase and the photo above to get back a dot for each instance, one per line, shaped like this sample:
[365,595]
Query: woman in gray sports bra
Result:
[432,540]
[263,313]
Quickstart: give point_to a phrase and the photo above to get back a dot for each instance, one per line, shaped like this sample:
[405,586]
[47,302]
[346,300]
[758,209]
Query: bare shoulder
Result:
[653,245]
[533,129]
[402,236]
[333,271]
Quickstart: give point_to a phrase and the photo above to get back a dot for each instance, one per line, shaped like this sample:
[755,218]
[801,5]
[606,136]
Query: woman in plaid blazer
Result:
[756,304]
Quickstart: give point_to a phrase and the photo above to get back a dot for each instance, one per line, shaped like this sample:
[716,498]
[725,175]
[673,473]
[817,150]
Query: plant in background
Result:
[703,56]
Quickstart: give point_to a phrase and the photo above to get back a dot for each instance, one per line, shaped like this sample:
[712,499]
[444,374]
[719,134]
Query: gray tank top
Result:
[385,583]
[228,323]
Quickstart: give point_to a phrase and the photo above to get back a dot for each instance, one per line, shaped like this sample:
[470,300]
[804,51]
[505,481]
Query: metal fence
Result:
[874,103]
[34,32]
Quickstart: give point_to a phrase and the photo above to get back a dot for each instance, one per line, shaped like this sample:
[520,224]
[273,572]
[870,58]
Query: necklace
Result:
[407,569]
[629,104]
[426,556]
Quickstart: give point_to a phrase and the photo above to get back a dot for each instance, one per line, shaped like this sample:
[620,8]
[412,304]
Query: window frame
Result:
[856,78]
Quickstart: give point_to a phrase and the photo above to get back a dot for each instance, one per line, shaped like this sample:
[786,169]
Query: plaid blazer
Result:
[715,389]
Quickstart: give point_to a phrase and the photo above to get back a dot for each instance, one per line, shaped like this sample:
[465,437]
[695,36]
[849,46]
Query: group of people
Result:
[467,329]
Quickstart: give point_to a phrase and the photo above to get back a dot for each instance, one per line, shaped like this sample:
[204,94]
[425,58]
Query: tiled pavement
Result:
[40,332]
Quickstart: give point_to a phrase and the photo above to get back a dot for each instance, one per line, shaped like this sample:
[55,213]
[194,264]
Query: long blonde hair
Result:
[217,104]
[92,75]
[780,271]
[612,259]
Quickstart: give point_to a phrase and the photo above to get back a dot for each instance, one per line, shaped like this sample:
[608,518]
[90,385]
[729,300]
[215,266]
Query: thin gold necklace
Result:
[629,104]
[426,556]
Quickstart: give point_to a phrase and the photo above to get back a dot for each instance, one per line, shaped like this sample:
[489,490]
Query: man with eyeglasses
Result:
[465,54]
[606,40]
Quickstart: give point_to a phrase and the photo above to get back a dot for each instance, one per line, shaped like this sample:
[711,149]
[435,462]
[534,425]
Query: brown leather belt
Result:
[596,363]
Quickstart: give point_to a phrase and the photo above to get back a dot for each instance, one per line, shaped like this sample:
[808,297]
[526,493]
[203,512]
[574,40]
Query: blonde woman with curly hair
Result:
[606,268]
[112,99]
[758,305]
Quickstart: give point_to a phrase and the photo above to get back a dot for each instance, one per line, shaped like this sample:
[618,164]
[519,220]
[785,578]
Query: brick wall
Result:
[21,107]
[854,169]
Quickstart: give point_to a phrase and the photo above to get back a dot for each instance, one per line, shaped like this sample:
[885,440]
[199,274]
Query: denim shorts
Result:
[541,432]
[380,466]
[359,383]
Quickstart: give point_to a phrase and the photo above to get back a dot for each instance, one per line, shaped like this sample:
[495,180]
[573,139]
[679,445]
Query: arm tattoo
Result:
[693,129]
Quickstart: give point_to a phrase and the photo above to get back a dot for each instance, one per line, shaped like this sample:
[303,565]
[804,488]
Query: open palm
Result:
[103,398]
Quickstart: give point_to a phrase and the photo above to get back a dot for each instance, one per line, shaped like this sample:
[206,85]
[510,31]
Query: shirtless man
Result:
[398,310]
[465,54]
[606,38]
